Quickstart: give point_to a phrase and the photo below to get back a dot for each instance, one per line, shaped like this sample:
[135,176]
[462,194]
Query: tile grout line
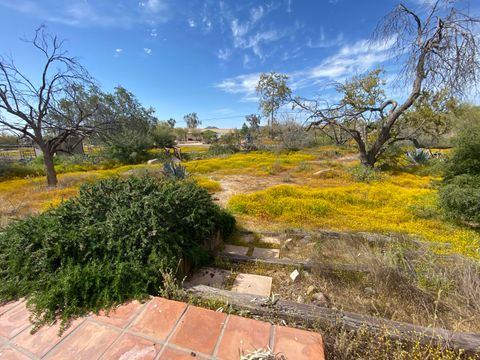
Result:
[13,307]
[273,333]
[174,329]
[64,339]
[186,350]
[22,350]
[220,337]
[124,329]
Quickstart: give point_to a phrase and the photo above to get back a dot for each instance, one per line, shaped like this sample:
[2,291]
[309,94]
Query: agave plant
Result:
[174,170]
[418,156]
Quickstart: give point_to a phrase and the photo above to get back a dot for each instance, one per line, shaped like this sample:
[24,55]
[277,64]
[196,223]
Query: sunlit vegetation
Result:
[404,204]
[260,163]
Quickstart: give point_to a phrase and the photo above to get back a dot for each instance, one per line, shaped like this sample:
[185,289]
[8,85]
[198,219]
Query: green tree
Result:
[163,136]
[254,121]
[171,122]
[192,120]
[440,48]
[274,92]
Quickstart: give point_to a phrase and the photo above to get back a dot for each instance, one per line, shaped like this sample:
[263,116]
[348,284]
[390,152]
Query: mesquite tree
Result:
[35,108]
[440,47]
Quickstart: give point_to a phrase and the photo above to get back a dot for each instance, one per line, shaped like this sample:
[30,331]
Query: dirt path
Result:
[242,184]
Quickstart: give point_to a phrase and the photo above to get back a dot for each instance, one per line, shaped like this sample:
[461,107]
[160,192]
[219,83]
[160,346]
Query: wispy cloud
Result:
[85,13]
[191,23]
[243,85]
[118,51]
[348,60]
[224,54]
[324,41]
[153,33]
[147,51]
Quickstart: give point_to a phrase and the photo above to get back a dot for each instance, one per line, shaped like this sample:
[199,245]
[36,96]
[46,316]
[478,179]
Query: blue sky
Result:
[204,56]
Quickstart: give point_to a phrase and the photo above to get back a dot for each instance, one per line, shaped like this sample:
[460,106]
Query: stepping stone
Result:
[262,253]
[235,249]
[253,284]
[209,276]
[270,240]
[247,237]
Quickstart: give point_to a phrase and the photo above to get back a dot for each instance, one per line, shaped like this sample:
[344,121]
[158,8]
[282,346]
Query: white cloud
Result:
[224,54]
[154,6]
[191,23]
[147,51]
[256,14]
[349,60]
[85,13]
[153,33]
[242,84]
[323,41]
[118,51]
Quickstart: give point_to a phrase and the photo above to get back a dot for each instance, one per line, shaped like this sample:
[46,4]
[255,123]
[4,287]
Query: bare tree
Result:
[35,108]
[440,49]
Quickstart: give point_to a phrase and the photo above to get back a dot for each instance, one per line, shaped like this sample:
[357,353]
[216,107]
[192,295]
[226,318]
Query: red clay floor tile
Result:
[298,344]
[8,353]
[130,347]
[44,339]
[88,342]
[9,305]
[175,354]
[159,318]
[243,334]
[121,316]
[14,321]
[199,330]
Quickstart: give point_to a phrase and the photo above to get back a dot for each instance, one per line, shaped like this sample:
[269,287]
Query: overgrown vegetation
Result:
[108,245]
[460,193]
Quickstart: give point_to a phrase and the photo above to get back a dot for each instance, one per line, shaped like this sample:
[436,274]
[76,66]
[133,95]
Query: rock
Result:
[153,161]
[319,299]
[311,289]
[287,245]
[306,239]
[369,290]
[300,299]
[294,275]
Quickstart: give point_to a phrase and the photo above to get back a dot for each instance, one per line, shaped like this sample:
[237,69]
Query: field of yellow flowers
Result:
[311,189]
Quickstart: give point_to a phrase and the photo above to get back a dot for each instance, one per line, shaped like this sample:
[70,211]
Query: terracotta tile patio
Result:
[158,329]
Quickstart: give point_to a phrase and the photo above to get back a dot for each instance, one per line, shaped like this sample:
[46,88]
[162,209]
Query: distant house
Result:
[219,132]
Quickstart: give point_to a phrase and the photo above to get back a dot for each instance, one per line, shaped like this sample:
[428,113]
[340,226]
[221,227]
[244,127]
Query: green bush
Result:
[460,198]
[460,191]
[110,244]
[128,147]
[466,154]
[222,149]
[366,174]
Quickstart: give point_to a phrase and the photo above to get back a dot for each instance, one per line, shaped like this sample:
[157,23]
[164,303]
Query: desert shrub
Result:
[174,170]
[418,156]
[364,174]
[110,244]
[163,136]
[294,136]
[128,146]
[460,198]
[222,149]
[460,191]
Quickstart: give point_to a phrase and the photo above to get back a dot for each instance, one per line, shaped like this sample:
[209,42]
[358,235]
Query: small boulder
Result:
[287,245]
[294,275]
[153,161]
[319,299]
[300,299]
[311,289]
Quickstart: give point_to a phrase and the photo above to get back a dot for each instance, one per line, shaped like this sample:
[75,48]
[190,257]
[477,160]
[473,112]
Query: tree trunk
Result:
[49,168]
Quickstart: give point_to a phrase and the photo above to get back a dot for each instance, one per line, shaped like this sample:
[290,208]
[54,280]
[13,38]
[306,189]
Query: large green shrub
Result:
[460,198]
[110,244]
[460,191]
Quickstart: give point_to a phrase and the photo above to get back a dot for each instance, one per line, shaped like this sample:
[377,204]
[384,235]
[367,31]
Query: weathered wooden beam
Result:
[326,317]
[306,265]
